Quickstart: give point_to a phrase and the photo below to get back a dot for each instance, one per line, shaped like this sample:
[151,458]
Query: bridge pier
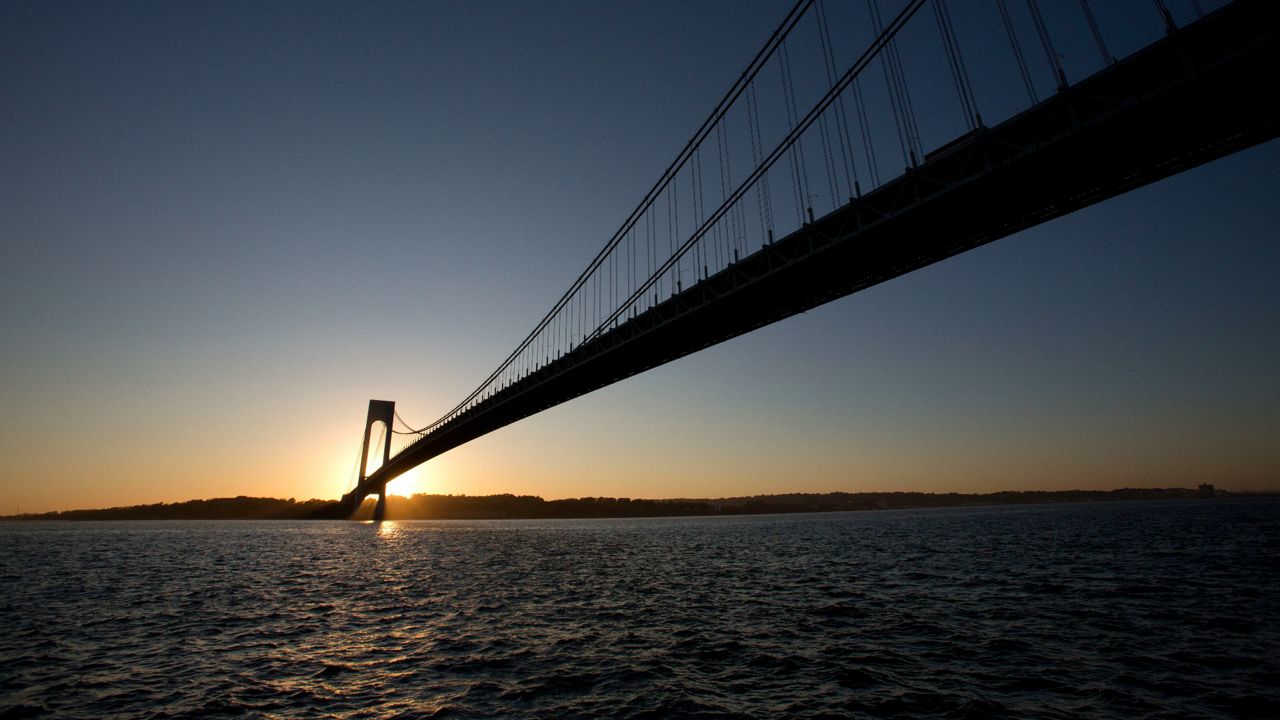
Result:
[380,510]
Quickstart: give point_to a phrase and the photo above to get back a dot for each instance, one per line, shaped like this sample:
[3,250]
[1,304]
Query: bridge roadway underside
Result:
[1198,94]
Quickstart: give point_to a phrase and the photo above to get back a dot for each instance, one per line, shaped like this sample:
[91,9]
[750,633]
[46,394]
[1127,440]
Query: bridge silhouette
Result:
[767,212]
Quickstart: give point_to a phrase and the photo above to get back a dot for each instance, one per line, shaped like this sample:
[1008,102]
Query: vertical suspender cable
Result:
[1047,43]
[1107,59]
[355,469]
[671,237]
[964,72]
[890,81]
[652,246]
[731,238]
[799,172]
[699,205]
[755,154]
[829,165]
[613,276]
[824,133]
[868,146]
[724,232]
[1017,52]
[842,122]
[764,190]
[959,75]
[630,265]
[908,109]
[1169,25]
[720,152]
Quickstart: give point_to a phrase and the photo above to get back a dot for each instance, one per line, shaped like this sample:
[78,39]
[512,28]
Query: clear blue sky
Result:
[225,226]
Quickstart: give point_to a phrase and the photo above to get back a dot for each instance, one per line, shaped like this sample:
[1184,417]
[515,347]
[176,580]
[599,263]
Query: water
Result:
[1099,610]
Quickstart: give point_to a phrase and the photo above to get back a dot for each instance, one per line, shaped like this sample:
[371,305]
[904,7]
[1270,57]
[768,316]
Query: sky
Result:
[224,227]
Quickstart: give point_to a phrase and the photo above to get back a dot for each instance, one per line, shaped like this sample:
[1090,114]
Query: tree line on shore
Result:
[507,506]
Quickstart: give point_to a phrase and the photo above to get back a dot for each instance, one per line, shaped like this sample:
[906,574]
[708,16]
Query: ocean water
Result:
[1116,610]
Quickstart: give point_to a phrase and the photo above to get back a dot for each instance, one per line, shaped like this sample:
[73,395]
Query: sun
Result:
[410,483]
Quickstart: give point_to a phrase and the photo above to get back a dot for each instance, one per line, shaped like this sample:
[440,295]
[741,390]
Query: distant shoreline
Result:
[531,507]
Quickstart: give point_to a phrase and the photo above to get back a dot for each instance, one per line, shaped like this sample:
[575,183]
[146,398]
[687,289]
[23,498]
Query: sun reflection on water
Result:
[389,529]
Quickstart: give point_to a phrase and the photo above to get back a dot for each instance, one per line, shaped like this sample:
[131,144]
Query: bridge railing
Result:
[842,98]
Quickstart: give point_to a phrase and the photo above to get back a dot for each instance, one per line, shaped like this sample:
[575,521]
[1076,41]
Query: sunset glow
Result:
[412,482]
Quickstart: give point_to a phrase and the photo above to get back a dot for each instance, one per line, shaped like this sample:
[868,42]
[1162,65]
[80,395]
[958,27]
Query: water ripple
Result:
[1116,610]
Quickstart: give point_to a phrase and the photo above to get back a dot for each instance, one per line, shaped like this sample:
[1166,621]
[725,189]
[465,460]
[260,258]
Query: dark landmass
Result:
[484,507]
[237,508]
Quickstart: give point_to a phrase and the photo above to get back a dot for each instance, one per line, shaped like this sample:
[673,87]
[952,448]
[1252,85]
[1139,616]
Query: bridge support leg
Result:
[380,510]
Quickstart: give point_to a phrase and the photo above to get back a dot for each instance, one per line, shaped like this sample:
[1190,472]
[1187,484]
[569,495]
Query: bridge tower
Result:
[382,411]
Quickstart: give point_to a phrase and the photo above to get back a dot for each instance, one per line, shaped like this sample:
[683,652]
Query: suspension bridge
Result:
[831,165]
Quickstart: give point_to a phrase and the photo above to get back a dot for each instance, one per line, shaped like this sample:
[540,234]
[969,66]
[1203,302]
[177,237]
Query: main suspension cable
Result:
[753,68]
